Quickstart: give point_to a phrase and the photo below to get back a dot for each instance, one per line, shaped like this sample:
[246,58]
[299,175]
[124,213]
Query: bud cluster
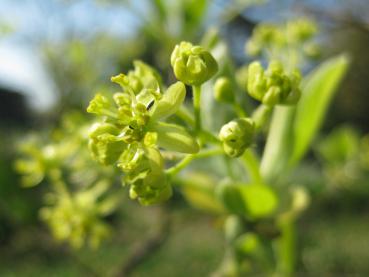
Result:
[277,37]
[77,217]
[273,86]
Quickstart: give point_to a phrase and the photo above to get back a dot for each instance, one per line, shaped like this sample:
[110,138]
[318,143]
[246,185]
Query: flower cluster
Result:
[77,217]
[273,86]
[131,132]
[274,37]
[76,206]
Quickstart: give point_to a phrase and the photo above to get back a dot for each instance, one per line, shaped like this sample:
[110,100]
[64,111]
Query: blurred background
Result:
[55,55]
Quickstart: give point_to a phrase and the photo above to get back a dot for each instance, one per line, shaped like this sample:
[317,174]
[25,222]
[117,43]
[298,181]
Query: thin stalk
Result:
[239,110]
[252,165]
[196,90]
[186,116]
[189,158]
[286,247]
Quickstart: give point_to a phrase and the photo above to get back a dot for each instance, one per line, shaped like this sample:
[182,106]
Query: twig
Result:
[148,247]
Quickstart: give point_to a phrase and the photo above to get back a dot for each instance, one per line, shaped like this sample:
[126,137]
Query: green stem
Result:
[252,165]
[196,90]
[239,110]
[261,115]
[286,249]
[186,116]
[189,158]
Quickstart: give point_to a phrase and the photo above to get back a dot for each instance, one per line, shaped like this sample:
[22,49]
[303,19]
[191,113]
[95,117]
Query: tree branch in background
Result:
[148,247]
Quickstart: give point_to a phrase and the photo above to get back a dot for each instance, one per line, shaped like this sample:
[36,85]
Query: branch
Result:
[148,247]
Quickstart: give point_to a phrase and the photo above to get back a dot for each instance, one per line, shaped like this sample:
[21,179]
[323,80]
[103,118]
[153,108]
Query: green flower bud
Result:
[273,86]
[104,143]
[237,135]
[301,30]
[265,36]
[192,65]
[224,90]
[145,76]
[142,77]
[100,105]
[145,175]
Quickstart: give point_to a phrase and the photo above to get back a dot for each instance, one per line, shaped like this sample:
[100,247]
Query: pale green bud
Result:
[224,90]
[237,135]
[192,65]
[99,105]
[145,175]
[301,30]
[273,86]
[142,77]
[104,143]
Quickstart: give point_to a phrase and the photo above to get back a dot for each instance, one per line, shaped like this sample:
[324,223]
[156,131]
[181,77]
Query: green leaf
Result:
[260,200]
[278,146]
[317,92]
[198,189]
[171,101]
[175,138]
[230,196]
[339,146]
[253,201]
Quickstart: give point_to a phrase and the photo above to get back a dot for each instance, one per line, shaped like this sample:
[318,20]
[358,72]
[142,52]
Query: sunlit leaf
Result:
[317,92]
[253,201]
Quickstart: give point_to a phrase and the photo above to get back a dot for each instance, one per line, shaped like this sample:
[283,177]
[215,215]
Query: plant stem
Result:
[239,110]
[189,158]
[149,246]
[286,248]
[252,165]
[186,116]
[196,90]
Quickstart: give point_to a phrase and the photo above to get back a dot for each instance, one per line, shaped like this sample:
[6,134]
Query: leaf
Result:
[317,92]
[175,138]
[253,201]
[198,189]
[230,196]
[260,200]
[278,147]
[339,146]
[171,101]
